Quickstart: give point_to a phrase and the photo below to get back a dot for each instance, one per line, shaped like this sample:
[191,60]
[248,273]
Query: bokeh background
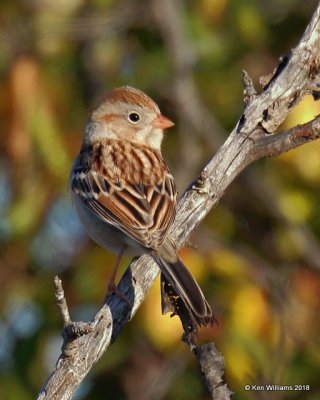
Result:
[258,253]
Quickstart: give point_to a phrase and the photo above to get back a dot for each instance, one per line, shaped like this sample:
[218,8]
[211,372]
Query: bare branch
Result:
[249,92]
[212,367]
[61,300]
[275,144]
[249,141]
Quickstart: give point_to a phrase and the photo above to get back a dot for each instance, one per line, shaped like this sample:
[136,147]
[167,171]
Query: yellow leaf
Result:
[228,263]
[250,24]
[295,205]
[239,364]
[249,311]
[163,331]
[211,10]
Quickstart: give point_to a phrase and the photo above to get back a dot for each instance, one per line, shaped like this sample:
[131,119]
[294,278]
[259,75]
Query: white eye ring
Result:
[133,117]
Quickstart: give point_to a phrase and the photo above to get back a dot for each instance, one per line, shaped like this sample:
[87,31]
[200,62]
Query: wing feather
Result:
[142,210]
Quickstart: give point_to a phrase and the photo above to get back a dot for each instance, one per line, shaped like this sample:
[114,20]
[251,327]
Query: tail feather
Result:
[184,284]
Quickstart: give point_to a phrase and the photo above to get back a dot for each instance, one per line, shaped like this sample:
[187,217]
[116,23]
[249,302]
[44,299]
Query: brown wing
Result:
[142,211]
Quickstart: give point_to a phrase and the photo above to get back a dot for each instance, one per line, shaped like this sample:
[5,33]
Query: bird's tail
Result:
[183,284]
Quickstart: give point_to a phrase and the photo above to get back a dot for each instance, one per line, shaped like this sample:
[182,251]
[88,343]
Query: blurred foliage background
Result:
[258,252]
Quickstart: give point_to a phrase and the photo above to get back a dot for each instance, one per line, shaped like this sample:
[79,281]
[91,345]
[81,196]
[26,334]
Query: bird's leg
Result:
[111,283]
[112,287]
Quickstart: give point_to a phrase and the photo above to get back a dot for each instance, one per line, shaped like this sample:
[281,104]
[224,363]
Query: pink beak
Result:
[162,122]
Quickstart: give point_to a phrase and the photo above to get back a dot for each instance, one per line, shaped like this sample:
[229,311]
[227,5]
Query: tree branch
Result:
[297,75]
[273,145]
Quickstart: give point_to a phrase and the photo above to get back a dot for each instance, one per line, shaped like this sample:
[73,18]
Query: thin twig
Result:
[61,301]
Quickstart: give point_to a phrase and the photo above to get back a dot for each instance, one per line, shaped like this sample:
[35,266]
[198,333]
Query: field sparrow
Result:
[124,193]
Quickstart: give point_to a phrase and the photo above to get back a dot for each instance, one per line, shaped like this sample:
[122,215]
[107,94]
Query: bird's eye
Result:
[134,117]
